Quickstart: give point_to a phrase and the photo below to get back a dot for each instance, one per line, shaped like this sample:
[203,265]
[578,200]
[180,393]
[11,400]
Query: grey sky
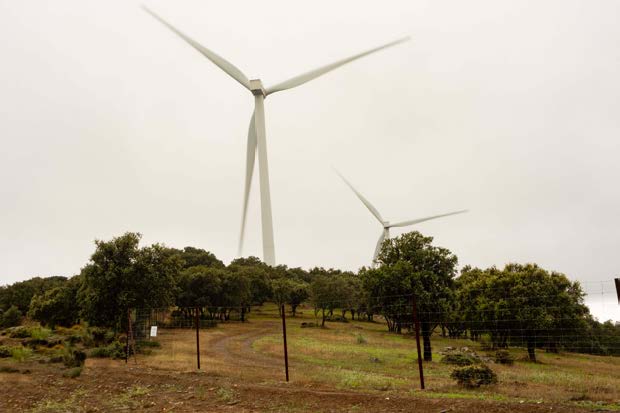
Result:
[110,123]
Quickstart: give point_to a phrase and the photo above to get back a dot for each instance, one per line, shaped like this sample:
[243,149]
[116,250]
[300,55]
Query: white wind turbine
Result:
[256,133]
[386,224]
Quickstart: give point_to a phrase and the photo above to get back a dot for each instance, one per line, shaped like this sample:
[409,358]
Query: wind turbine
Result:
[386,224]
[256,134]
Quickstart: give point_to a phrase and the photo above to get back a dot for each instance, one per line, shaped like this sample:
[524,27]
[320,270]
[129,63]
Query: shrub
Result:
[147,343]
[361,339]
[11,317]
[504,357]
[73,357]
[5,352]
[114,350]
[458,359]
[20,353]
[19,332]
[40,333]
[474,376]
[73,373]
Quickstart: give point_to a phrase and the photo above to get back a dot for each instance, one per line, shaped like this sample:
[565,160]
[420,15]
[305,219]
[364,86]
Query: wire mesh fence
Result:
[340,339]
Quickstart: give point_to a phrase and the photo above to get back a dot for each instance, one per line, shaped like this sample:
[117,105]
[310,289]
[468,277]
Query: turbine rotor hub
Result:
[256,86]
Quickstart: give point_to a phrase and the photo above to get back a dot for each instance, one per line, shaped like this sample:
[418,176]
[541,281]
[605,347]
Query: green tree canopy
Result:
[121,276]
[411,266]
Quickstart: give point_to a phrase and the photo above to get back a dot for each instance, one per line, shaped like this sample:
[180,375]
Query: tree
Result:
[327,292]
[200,287]
[57,306]
[411,265]
[192,257]
[281,292]
[121,276]
[11,317]
[525,305]
[260,284]
[20,293]
[298,294]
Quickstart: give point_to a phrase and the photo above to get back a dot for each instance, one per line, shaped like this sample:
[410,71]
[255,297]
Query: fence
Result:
[251,342]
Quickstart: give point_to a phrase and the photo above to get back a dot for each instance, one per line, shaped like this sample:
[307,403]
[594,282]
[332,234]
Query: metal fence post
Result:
[416,323]
[198,338]
[284,336]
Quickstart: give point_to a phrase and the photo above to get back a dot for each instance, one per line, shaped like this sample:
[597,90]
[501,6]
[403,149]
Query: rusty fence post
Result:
[416,323]
[284,337]
[198,338]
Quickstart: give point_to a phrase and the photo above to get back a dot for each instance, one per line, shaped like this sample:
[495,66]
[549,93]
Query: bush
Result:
[474,376]
[20,353]
[73,357]
[73,373]
[11,318]
[458,359]
[361,339]
[147,343]
[504,357]
[114,350]
[19,332]
[5,352]
[40,333]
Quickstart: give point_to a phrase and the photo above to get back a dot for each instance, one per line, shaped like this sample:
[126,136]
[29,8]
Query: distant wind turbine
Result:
[386,224]
[256,134]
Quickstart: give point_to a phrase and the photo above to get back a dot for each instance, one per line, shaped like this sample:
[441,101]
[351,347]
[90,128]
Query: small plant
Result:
[458,359]
[474,376]
[73,357]
[225,395]
[20,353]
[146,343]
[40,333]
[19,332]
[5,352]
[114,350]
[73,373]
[360,339]
[504,357]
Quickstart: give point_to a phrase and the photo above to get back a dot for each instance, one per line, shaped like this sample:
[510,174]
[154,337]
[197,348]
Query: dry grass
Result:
[336,358]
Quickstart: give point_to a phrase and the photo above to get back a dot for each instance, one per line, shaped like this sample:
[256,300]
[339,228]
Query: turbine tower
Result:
[256,134]
[386,224]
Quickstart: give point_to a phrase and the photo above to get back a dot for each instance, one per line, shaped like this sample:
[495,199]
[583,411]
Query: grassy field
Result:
[353,366]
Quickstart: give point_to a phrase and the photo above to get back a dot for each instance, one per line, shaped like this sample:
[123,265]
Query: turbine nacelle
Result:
[256,87]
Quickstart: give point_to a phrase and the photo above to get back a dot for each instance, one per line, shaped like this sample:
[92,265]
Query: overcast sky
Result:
[111,123]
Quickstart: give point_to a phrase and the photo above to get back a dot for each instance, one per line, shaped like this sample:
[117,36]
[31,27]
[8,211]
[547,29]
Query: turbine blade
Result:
[249,170]
[416,221]
[313,74]
[219,61]
[378,247]
[371,208]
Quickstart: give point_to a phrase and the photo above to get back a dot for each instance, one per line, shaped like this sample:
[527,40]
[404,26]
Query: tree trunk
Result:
[531,349]
[428,355]
[323,320]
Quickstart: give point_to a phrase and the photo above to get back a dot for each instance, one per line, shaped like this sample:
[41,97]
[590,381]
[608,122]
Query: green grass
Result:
[382,361]
[21,354]
[40,333]
[67,405]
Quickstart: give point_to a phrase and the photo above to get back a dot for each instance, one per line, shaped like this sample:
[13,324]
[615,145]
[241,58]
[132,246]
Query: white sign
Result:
[153,331]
